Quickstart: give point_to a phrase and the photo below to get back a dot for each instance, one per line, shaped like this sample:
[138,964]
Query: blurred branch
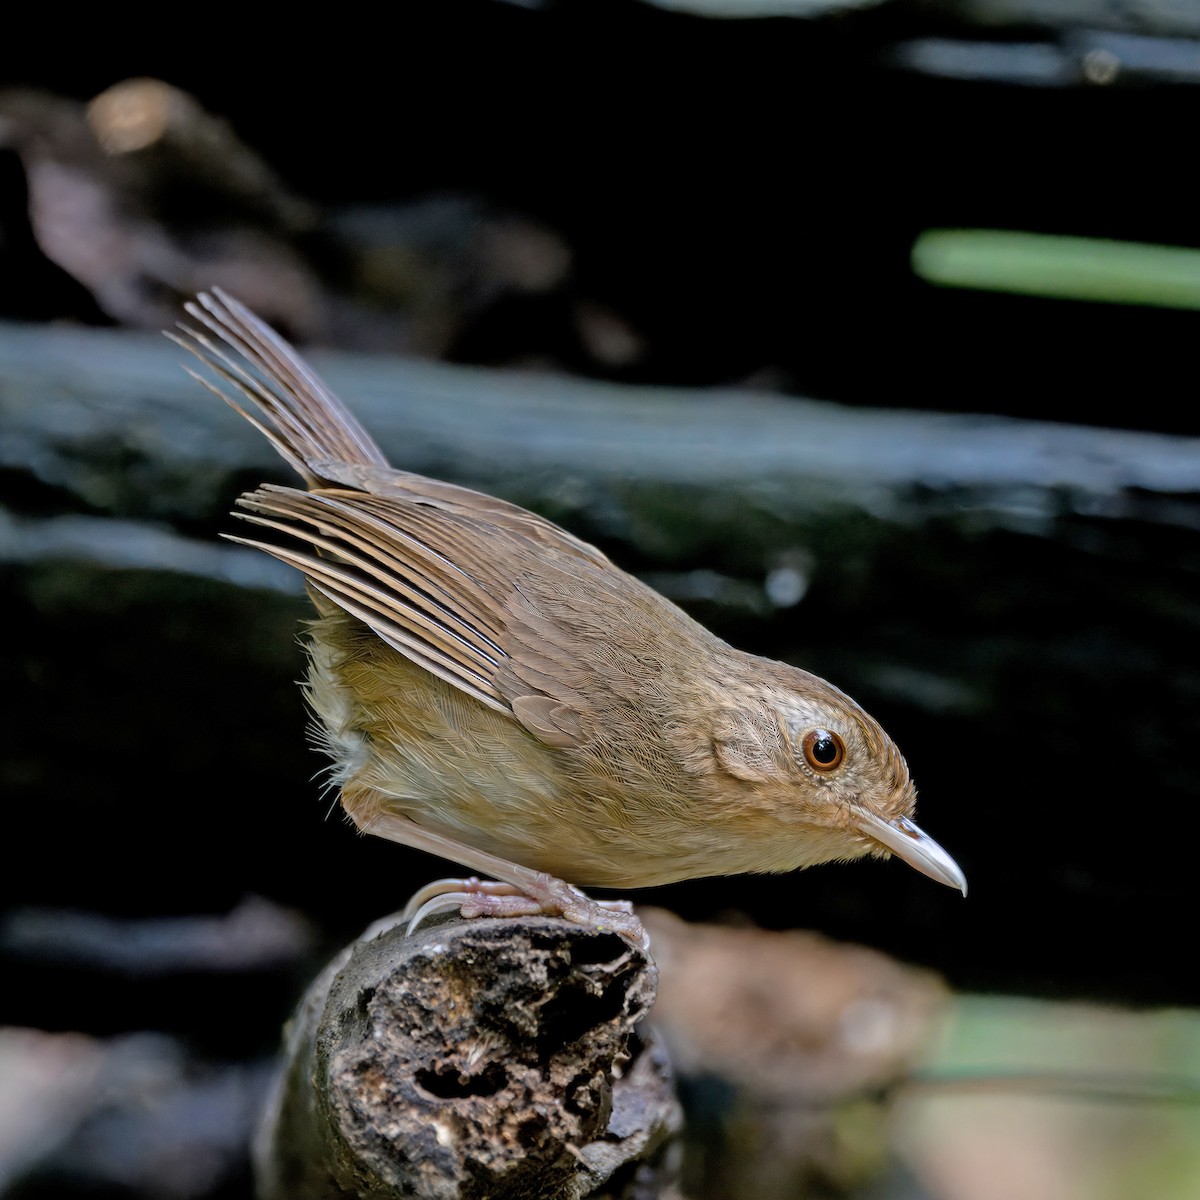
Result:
[110,419]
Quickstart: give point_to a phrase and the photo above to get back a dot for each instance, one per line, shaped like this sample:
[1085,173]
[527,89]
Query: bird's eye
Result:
[823,750]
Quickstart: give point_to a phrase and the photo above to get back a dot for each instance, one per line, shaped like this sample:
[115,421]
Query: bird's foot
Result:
[544,896]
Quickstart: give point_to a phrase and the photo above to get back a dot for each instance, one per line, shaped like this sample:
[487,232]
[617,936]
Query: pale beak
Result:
[914,846]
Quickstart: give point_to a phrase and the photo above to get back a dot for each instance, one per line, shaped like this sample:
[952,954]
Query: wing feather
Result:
[479,591]
[355,563]
[376,609]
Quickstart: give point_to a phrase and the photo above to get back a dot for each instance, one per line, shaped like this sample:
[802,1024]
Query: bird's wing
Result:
[474,508]
[446,588]
[432,568]
[317,434]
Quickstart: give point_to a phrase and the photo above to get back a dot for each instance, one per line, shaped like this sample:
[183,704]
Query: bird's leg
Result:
[449,895]
[475,897]
[473,886]
[446,887]
[521,892]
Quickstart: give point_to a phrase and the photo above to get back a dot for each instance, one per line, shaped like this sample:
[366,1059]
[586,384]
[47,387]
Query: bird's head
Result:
[826,767]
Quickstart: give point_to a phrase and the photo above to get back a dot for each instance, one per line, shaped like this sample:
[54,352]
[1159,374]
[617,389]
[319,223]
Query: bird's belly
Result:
[425,750]
[522,807]
[515,804]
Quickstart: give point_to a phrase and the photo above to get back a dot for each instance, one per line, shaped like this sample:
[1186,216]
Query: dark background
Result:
[742,197]
[744,193]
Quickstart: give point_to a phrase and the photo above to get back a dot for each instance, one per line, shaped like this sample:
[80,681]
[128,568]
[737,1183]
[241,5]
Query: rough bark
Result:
[473,1059]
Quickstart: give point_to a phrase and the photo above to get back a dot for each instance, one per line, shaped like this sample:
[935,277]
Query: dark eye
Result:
[823,750]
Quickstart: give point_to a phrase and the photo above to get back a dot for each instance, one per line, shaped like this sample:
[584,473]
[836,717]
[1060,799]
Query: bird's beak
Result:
[916,847]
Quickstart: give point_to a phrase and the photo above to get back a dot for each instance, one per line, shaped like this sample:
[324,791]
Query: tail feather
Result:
[305,421]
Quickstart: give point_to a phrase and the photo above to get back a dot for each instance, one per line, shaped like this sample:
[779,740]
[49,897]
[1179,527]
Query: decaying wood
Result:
[473,1059]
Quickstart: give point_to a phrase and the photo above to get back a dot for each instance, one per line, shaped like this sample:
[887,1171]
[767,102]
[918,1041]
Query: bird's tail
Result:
[305,421]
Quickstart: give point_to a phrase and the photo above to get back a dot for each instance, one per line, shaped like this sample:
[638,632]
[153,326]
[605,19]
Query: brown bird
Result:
[496,692]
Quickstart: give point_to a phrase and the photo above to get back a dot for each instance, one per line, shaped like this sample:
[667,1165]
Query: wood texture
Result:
[474,1059]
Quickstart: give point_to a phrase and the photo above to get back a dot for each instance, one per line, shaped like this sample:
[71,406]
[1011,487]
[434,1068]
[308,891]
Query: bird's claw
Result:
[546,896]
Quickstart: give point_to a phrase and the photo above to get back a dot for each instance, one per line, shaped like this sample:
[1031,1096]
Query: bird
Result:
[495,691]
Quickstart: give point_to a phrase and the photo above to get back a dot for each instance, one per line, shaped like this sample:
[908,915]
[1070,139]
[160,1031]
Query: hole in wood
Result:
[449,1084]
